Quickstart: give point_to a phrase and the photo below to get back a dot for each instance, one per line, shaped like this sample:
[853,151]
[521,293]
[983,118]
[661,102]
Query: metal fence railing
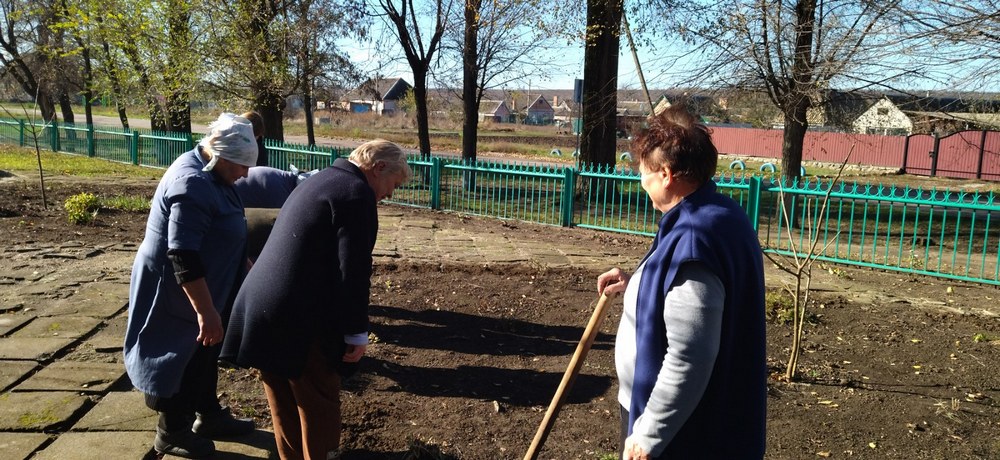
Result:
[939,233]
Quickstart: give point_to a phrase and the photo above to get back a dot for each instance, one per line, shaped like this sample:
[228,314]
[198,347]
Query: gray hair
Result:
[371,152]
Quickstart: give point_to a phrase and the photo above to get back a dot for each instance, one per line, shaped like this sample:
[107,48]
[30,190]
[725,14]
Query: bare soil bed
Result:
[466,358]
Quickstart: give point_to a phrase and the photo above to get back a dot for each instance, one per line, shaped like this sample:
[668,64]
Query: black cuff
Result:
[187,265]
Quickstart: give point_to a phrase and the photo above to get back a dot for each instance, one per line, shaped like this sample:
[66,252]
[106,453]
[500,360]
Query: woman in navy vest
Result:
[690,349]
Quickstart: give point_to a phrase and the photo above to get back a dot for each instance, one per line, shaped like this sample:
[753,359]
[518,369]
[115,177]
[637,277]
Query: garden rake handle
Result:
[575,364]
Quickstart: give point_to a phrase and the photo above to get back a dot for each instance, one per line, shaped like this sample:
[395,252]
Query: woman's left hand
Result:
[209,328]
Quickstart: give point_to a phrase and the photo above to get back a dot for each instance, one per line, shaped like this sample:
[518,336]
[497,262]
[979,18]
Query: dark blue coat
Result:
[312,281]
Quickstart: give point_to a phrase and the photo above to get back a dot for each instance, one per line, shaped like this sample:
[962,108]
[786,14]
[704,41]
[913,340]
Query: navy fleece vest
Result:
[729,421]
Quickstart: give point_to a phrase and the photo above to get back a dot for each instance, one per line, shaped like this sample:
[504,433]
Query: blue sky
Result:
[565,65]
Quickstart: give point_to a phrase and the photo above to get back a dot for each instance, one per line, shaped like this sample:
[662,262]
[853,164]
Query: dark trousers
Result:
[198,391]
[305,411]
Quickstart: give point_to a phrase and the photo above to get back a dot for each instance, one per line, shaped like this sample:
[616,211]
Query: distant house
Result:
[495,111]
[565,111]
[884,118]
[661,105]
[860,113]
[381,96]
[538,112]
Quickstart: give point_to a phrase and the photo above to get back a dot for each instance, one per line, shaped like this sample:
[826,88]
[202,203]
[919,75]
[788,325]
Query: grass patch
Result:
[23,160]
[126,203]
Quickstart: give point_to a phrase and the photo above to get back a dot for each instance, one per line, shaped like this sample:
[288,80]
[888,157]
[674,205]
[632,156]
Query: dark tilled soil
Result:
[465,359]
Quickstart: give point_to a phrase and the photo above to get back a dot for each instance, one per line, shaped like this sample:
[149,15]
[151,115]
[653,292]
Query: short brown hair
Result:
[676,140]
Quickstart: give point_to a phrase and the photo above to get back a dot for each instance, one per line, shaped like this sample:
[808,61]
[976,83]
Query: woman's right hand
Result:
[612,282]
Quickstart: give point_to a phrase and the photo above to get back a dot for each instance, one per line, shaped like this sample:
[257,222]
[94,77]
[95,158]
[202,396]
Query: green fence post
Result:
[753,202]
[437,166]
[569,188]
[54,136]
[90,141]
[134,148]
[20,133]
[190,142]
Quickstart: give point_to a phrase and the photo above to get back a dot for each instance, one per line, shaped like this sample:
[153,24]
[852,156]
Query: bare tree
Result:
[495,44]
[404,26]
[23,37]
[794,51]
[961,36]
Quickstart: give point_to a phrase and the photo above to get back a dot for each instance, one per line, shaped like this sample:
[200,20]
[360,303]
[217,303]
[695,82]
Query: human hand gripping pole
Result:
[575,363]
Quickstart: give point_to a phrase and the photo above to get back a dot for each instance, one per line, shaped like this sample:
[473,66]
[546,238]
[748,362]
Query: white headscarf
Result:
[230,137]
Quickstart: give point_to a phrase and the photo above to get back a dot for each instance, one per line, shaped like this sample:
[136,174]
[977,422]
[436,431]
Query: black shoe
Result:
[183,444]
[221,424]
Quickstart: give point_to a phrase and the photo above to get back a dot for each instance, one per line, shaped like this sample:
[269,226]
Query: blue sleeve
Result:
[693,316]
[189,200]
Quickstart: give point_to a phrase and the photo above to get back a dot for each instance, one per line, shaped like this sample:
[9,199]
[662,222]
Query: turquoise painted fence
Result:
[941,233]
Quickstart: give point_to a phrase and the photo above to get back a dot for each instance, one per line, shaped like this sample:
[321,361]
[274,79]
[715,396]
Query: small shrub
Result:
[778,307]
[82,208]
[982,337]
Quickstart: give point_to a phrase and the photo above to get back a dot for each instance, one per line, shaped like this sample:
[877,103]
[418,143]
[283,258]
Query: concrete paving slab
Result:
[111,337]
[12,320]
[74,376]
[12,371]
[18,446]
[38,411]
[119,411]
[31,347]
[41,288]
[24,274]
[97,299]
[259,444]
[98,446]
[59,326]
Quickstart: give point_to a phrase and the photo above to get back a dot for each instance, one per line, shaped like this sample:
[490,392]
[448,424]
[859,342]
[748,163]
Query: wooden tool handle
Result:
[569,376]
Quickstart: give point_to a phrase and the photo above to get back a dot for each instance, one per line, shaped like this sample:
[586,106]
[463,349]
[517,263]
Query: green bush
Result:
[82,208]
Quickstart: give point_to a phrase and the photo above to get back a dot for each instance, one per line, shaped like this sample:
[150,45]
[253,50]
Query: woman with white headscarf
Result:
[187,269]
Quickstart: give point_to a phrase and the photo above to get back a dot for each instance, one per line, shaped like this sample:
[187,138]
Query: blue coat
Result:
[266,187]
[311,283]
[190,210]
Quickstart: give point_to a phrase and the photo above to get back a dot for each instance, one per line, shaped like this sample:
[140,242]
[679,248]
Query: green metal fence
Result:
[940,233]
[930,232]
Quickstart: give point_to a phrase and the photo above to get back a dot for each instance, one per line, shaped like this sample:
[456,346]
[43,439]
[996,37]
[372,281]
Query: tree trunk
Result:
[271,107]
[116,86]
[793,140]
[88,85]
[470,78]
[307,104]
[600,87]
[423,123]
[178,99]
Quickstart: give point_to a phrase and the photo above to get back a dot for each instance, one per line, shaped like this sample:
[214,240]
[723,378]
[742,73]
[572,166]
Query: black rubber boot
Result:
[221,424]
[183,444]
